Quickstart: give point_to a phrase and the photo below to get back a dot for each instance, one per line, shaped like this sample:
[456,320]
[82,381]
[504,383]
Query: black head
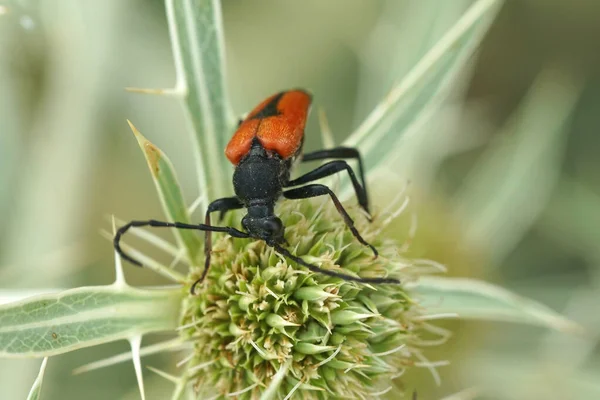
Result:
[264,227]
[261,223]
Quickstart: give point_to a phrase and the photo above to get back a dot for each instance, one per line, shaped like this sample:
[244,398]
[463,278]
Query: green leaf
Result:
[53,324]
[418,26]
[196,32]
[520,168]
[473,299]
[421,89]
[169,192]
[36,389]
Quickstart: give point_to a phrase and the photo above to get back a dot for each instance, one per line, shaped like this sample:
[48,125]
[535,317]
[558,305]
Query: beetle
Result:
[263,149]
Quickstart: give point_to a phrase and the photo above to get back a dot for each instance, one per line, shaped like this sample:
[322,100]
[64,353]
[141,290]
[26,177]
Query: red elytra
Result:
[278,124]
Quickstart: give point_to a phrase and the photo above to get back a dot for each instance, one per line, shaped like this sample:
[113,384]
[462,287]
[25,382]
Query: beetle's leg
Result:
[179,225]
[223,205]
[315,190]
[319,270]
[346,153]
[331,168]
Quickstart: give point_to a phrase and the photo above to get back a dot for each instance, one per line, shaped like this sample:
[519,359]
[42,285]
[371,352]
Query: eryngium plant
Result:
[259,326]
[257,314]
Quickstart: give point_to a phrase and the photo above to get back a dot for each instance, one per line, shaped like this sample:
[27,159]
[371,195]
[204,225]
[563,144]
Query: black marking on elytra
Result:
[270,109]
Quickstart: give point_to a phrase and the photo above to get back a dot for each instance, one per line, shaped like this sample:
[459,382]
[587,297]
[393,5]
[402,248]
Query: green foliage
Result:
[169,193]
[262,327]
[53,324]
[197,39]
[474,299]
[422,90]
[521,167]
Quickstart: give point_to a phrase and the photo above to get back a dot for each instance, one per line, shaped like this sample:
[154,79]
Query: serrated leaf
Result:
[422,88]
[53,324]
[36,388]
[169,192]
[196,32]
[473,299]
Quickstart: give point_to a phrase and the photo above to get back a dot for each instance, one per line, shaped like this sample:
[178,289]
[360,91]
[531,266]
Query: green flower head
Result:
[257,314]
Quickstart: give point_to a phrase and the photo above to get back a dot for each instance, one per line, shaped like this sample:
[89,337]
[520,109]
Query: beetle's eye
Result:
[274,226]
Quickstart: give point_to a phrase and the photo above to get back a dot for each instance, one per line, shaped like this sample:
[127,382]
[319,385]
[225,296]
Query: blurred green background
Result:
[505,177]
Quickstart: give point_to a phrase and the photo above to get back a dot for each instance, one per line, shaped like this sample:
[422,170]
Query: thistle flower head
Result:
[258,314]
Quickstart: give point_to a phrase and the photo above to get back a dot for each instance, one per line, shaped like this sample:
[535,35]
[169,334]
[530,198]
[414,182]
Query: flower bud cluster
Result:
[258,312]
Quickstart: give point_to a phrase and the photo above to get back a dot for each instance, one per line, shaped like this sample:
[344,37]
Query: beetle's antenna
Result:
[319,270]
[178,225]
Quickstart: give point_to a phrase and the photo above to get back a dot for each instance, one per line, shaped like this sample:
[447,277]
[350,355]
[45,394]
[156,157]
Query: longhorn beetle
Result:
[263,149]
